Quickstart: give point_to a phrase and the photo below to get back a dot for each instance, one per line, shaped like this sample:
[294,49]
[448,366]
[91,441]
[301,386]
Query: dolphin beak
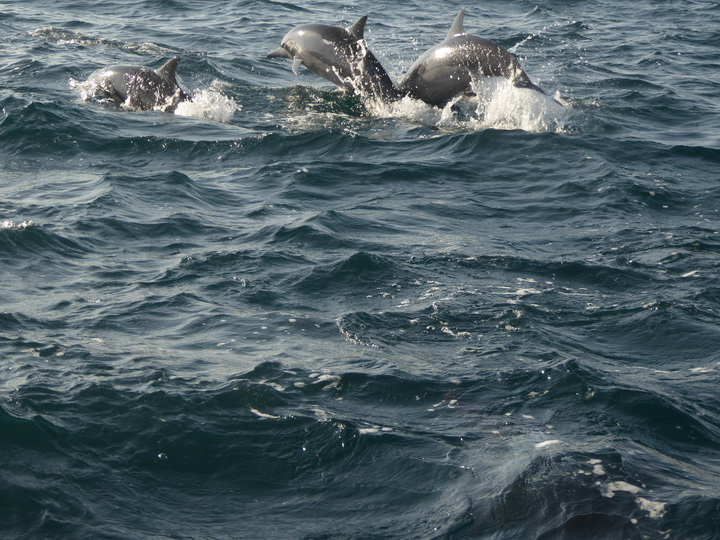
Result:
[279,53]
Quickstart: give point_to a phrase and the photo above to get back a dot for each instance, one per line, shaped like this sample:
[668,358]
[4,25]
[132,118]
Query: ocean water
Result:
[284,312]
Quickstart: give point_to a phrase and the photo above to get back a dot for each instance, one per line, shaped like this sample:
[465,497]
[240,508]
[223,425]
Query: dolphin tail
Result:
[169,70]
[533,86]
[279,53]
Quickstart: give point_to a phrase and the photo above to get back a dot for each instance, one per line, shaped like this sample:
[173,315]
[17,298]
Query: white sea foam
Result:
[209,104]
[497,104]
[263,415]
[89,90]
[9,224]
[547,443]
[655,510]
[598,469]
[612,488]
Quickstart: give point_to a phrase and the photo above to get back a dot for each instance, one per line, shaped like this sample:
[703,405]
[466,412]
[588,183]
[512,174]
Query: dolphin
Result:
[141,87]
[339,55]
[447,69]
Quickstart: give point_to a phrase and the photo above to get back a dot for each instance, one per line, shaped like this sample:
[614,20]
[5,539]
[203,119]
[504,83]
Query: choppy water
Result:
[284,313]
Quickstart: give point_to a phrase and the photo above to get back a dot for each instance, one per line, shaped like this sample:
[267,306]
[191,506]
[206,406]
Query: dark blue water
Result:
[285,313]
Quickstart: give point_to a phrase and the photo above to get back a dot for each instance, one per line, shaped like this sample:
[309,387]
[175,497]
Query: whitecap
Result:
[610,489]
[209,104]
[655,510]
[547,443]
[9,224]
[263,415]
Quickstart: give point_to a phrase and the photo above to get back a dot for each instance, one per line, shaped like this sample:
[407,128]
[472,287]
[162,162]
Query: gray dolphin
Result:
[141,87]
[447,69]
[339,55]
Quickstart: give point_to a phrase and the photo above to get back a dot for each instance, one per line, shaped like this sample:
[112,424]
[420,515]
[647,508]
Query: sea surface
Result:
[286,312]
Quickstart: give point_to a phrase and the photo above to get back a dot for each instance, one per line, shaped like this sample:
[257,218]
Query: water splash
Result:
[209,104]
[500,105]
[206,104]
[90,90]
[496,104]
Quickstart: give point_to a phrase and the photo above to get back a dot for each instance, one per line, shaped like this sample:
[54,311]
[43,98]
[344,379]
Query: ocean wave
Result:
[274,428]
[286,305]
[150,439]
[29,241]
[357,271]
[64,36]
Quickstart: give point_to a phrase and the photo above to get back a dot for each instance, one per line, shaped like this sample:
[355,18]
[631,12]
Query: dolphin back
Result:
[141,87]
[340,55]
[448,69]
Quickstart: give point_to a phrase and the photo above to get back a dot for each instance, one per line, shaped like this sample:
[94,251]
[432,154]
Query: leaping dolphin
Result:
[339,55]
[141,87]
[447,69]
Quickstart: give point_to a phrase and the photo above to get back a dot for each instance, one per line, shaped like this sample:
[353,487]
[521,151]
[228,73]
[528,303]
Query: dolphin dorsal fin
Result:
[457,27]
[169,70]
[358,29]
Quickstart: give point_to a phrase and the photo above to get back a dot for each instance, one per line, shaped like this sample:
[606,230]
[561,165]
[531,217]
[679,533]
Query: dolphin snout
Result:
[280,52]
